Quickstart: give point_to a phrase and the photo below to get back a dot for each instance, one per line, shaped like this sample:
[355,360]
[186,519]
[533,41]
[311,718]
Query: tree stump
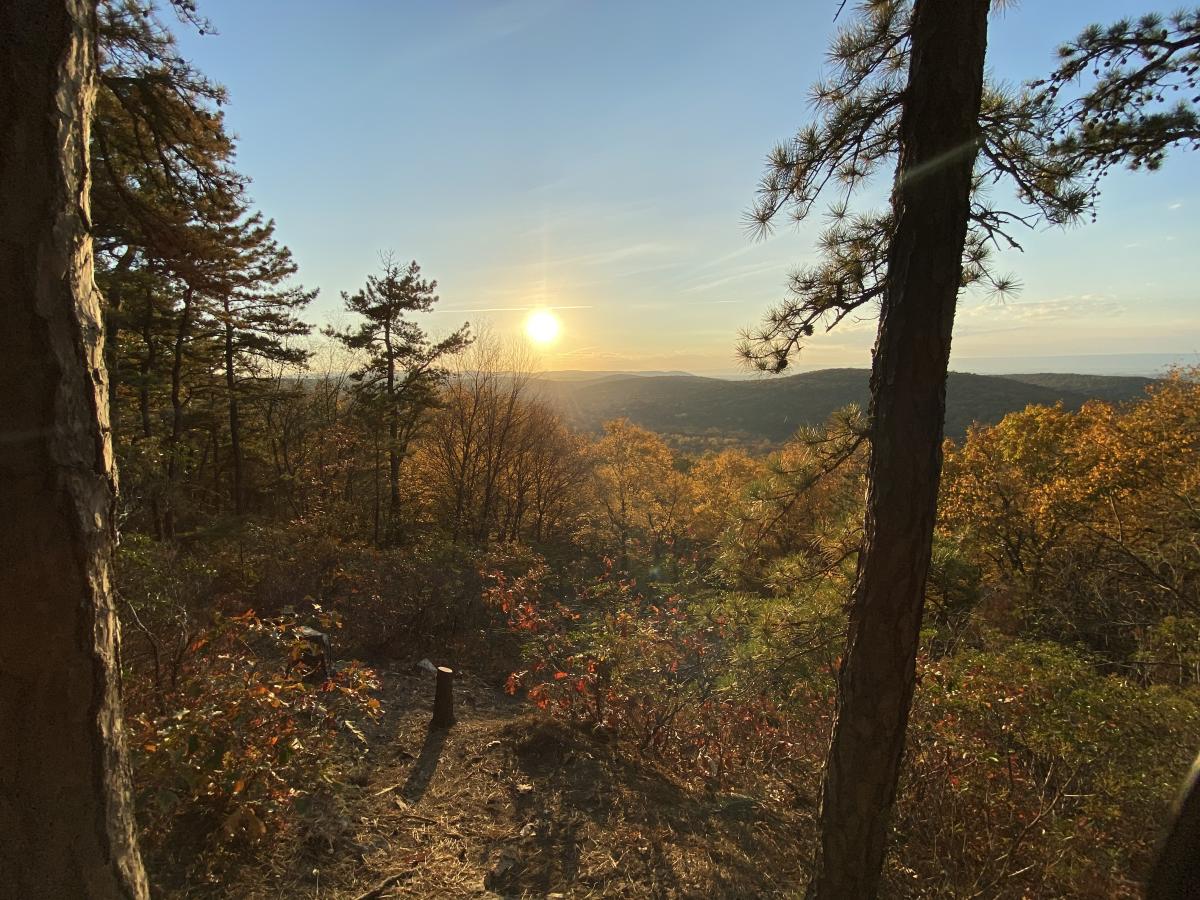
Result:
[443,699]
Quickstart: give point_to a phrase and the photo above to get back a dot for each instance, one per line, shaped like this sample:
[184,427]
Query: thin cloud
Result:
[1079,306]
[469,309]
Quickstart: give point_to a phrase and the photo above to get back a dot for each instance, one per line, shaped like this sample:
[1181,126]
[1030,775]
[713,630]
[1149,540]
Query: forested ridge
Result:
[690,407]
[645,584]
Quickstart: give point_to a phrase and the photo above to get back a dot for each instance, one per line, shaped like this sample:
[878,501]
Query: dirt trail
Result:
[509,804]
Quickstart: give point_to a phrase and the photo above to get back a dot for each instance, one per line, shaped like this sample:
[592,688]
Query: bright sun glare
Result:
[542,326]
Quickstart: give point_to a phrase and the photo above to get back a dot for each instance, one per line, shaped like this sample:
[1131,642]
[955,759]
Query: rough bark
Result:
[66,819]
[939,143]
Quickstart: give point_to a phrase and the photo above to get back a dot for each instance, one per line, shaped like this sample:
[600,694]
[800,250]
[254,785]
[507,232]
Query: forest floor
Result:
[510,804]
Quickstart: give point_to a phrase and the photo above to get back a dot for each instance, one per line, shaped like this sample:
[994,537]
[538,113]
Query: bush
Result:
[657,675]
[248,731]
[1045,777]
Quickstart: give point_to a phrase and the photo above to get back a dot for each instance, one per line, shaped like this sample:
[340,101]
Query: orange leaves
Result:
[243,725]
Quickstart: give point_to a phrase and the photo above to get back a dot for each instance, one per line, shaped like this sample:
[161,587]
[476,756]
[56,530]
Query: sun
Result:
[542,326]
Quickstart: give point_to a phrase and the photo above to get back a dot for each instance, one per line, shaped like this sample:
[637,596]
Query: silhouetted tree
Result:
[1141,100]
[256,314]
[912,260]
[403,365]
[939,138]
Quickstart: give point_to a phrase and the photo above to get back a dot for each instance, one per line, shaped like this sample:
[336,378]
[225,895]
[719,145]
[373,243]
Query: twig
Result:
[377,891]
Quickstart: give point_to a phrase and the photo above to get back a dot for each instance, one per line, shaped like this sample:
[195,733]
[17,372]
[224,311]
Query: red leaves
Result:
[242,725]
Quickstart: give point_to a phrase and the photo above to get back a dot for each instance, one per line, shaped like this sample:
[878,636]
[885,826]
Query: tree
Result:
[168,201]
[1083,522]
[478,433]
[256,315]
[855,135]
[162,161]
[912,260]
[939,139]
[66,813]
[867,114]
[642,494]
[1126,116]
[402,368]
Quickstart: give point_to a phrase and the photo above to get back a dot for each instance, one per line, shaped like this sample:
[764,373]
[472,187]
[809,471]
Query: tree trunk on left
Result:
[66,817]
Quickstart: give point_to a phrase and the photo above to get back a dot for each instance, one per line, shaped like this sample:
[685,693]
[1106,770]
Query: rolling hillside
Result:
[772,409]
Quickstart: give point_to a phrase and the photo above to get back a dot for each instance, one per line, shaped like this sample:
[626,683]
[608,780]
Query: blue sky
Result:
[595,157]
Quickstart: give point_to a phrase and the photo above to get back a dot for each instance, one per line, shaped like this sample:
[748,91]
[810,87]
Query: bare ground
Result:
[510,804]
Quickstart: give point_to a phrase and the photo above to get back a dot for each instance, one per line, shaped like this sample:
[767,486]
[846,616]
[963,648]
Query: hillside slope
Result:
[1109,388]
[772,409]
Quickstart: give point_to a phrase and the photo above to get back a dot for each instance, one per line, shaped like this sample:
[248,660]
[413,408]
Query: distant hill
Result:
[772,409]
[1110,388]
[581,375]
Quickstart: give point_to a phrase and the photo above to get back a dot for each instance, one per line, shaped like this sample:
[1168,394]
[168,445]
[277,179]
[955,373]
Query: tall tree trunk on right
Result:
[939,138]
[66,816]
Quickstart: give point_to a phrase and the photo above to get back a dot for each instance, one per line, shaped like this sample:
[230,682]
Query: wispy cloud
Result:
[1078,306]
[490,23]
[739,274]
[471,309]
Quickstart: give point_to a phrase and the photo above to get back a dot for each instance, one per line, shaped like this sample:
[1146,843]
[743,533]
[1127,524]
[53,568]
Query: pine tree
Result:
[403,366]
[256,314]
[906,88]
[1142,98]
[162,160]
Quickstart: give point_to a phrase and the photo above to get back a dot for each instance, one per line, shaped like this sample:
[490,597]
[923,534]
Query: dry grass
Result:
[510,804]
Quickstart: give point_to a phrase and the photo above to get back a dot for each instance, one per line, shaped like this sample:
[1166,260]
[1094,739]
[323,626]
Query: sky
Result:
[596,158]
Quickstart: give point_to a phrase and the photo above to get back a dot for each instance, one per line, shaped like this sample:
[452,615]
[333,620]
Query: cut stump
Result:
[443,699]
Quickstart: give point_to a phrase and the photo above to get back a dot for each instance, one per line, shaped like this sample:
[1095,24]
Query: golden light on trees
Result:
[542,326]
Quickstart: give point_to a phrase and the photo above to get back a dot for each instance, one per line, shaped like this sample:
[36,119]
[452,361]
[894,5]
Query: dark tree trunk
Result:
[393,435]
[181,338]
[235,430]
[939,142]
[112,332]
[375,534]
[443,699]
[147,367]
[66,817]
